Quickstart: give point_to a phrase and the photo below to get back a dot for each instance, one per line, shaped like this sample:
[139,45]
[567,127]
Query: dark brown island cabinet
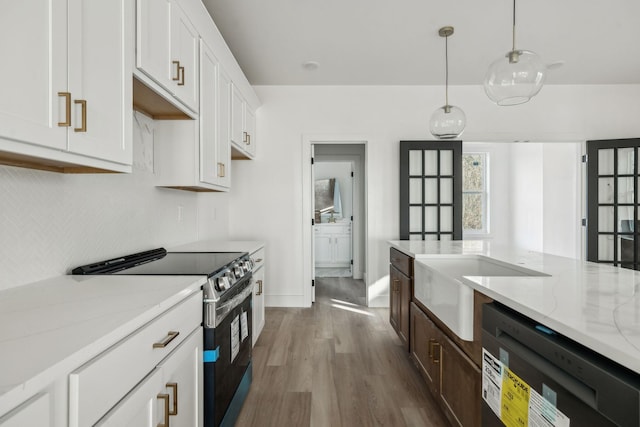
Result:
[401,279]
[450,366]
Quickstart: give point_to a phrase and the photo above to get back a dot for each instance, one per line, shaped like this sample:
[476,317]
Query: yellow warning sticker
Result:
[514,400]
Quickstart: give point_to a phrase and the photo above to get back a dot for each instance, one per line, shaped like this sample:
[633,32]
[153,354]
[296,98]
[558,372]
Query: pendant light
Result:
[517,77]
[448,121]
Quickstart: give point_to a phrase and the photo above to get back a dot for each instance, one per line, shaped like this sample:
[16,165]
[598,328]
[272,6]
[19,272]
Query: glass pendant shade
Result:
[447,122]
[515,78]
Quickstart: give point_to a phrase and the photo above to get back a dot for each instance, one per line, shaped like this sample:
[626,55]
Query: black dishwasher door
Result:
[533,376]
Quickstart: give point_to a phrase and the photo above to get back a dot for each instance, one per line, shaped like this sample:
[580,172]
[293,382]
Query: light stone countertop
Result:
[596,305]
[51,327]
[249,246]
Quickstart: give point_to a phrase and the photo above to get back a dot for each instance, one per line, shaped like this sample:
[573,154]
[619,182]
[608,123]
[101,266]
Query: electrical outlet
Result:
[180,209]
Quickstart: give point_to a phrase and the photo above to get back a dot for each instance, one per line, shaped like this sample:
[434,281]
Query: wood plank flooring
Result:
[334,364]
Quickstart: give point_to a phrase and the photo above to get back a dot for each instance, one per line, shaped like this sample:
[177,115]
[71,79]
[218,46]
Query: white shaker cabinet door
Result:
[33,42]
[35,412]
[153,40]
[184,51]
[100,79]
[211,168]
[142,407]
[258,304]
[224,128]
[250,126]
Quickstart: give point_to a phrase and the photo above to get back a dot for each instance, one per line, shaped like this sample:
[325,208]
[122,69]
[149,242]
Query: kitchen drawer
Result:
[402,262]
[258,259]
[100,383]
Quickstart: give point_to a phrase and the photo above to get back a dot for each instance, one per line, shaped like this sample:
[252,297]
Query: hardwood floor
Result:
[334,364]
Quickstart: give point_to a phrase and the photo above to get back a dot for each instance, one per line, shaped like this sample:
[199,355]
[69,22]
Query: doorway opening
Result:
[335,242]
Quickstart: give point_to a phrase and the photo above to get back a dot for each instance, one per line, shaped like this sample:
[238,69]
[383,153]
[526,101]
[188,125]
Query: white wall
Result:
[51,222]
[386,115]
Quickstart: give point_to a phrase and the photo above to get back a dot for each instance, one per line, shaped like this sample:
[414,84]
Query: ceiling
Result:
[386,42]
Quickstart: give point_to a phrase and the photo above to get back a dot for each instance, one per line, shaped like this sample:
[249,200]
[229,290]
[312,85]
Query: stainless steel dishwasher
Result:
[533,376]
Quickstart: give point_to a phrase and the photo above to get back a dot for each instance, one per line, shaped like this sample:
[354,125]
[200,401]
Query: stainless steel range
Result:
[227,318]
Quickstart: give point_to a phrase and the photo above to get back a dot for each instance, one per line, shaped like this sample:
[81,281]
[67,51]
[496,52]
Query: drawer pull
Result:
[259,287]
[171,335]
[436,352]
[164,397]
[174,387]
[258,260]
[181,70]
[67,109]
[177,77]
[83,106]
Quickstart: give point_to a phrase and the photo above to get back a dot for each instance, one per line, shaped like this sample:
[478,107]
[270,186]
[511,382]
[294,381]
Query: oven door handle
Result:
[223,311]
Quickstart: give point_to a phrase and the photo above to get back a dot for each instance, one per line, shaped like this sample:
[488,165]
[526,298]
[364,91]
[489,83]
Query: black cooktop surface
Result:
[159,261]
[186,263]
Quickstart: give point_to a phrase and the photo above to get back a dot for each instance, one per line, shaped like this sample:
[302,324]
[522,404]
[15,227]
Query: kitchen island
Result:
[593,304]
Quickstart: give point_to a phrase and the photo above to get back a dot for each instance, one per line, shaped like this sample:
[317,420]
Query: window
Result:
[475,200]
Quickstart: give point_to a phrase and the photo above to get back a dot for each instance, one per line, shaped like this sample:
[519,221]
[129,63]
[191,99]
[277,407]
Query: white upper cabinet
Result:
[194,155]
[243,125]
[167,49]
[99,69]
[66,103]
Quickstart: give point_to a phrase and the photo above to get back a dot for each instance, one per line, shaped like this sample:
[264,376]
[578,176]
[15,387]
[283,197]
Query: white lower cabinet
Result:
[169,395]
[258,293]
[332,245]
[168,344]
[35,412]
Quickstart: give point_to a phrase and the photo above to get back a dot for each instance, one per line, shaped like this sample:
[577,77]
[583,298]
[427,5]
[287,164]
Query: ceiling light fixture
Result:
[448,121]
[517,77]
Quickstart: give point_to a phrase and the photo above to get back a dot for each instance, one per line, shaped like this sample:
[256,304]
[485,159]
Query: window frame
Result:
[484,193]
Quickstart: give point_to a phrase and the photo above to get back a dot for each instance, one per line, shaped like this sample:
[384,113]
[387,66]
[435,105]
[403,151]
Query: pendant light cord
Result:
[446,68]
[514,25]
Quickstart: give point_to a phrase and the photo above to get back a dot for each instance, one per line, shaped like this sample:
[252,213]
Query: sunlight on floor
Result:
[352,309]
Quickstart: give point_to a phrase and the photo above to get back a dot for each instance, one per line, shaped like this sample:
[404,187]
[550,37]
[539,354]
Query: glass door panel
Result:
[612,202]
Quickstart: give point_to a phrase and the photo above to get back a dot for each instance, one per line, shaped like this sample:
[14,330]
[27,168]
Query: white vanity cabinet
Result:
[167,49]
[243,126]
[258,292]
[124,374]
[333,245]
[66,102]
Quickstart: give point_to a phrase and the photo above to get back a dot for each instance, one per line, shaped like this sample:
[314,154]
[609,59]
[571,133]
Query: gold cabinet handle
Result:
[164,397]
[67,109]
[258,260]
[221,170]
[259,282]
[248,139]
[171,335]
[174,387]
[436,352]
[177,76]
[244,137]
[431,341]
[83,106]
[181,72]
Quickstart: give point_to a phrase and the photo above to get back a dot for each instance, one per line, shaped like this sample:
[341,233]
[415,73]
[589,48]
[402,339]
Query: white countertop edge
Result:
[12,396]
[213,245]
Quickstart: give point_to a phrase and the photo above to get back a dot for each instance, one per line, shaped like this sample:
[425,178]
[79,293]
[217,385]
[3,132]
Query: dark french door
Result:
[612,202]
[430,190]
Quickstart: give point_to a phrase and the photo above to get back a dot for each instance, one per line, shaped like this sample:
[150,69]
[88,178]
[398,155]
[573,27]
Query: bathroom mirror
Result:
[327,197]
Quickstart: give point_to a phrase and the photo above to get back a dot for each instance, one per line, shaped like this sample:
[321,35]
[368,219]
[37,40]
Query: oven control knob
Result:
[248,265]
[238,270]
[222,283]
